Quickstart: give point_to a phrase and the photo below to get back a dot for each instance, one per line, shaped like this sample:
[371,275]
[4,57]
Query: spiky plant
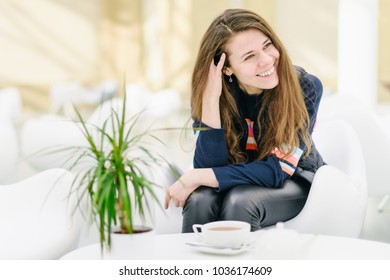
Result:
[116,183]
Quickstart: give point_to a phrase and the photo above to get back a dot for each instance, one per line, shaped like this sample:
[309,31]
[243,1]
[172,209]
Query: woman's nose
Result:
[265,59]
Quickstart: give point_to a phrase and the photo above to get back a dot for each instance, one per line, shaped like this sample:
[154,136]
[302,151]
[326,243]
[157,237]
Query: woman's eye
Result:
[267,45]
[249,57]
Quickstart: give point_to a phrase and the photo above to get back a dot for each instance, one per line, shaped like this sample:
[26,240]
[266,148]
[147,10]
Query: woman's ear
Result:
[227,71]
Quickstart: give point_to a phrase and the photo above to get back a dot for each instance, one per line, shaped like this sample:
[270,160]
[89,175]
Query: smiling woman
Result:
[253,59]
[254,113]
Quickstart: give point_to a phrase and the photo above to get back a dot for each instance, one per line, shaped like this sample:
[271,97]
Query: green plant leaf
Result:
[116,183]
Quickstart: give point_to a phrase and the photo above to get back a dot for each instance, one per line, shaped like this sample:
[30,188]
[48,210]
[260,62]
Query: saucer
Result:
[202,247]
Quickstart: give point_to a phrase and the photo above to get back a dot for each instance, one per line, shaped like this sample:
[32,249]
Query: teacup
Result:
[223,234]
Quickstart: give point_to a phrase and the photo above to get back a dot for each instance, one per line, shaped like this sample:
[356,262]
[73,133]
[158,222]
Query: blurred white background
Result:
[55,53]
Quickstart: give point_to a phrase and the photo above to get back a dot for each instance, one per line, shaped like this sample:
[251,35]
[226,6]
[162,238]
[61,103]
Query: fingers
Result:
[177,203]
[167,200]
[177,194]
[220,64]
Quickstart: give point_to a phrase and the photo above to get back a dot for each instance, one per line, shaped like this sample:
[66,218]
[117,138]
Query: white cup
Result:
[223,234]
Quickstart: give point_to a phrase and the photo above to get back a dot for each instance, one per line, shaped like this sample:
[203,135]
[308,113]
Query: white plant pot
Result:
[136,246]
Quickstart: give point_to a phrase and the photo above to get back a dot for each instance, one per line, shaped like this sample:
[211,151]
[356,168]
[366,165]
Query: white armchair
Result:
[44,140]
[10,104]
[10,115]
[9,150]
[373,131]
[36,217]
[336,204]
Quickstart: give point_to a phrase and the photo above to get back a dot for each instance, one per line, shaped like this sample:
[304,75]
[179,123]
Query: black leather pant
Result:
[257,205]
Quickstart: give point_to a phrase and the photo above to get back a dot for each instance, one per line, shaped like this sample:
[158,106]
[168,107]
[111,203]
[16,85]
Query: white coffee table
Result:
[318,247]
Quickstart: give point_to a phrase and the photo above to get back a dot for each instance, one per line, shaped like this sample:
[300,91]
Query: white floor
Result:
[377,225]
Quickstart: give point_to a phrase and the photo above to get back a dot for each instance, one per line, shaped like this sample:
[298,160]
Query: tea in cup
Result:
[223,234]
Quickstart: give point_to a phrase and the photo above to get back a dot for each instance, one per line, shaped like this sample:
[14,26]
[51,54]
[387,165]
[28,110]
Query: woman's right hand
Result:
[179,191]
[213,88]
[212,93]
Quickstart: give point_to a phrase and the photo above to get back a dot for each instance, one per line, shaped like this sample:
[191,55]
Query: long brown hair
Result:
[283,109]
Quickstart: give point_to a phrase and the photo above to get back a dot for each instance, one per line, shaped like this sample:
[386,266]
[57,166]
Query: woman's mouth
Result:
[267,73]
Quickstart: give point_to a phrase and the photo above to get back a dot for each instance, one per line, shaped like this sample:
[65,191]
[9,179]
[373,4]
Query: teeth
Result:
[269,72]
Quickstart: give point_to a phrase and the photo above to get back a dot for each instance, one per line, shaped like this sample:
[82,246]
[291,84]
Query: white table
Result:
[318,247]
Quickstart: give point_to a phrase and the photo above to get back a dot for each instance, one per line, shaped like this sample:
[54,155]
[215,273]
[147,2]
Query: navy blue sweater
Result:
[211,150]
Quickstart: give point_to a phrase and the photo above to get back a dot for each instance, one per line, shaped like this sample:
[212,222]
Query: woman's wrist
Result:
[210,114]
[201,177]
[210,103]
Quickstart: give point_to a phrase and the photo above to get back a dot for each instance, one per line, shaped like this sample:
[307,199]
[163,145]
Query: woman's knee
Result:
[201,207]
[262,206]
[244,203]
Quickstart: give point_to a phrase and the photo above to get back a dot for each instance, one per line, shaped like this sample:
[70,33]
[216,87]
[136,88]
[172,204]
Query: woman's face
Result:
[253,60]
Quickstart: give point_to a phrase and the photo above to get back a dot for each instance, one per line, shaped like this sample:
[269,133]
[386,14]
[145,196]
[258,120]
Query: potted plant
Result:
[116,181]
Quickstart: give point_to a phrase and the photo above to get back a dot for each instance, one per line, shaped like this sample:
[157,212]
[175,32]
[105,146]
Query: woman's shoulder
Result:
[308,82]
[311,85]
